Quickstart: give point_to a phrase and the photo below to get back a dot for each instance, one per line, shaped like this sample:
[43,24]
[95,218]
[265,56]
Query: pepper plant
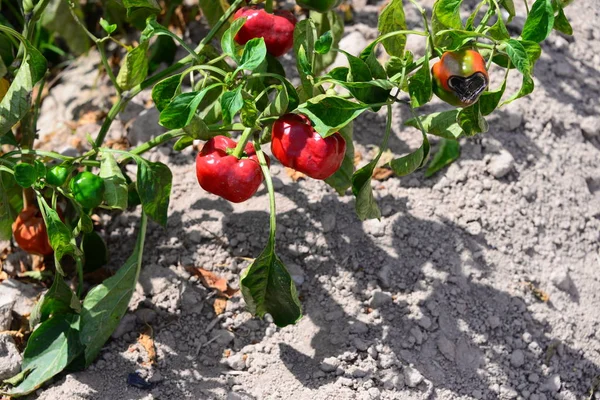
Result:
[239,100]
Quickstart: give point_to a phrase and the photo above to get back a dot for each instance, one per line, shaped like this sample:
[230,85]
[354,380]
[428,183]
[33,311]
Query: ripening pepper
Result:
[319,5]
[29,231]
[459,77]
[87,189]
[224,174]
[277,29]
[297,145]
[57,175]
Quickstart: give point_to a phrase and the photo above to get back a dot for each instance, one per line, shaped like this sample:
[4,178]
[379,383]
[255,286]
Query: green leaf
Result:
[231,103]
[509,6]
[9,138]
[443,124]
[445,15]
[539,22]
[85,224]
[489,101]
[370,58]
[50,348]
[94,250]
[154,188]
[305,34]
[333,22]
[108,28]
[448,152]
[255,52]
[197,129]
[164,91]
[141,9]
[498,31]
[471,120]
[395,65]
[105,305]
[419,86]
[561,23]
[59,299]
[249,113]
[303,62]
[115,193]
[25,175]
[227,41]
[518,56]
[341,180]
[57,18]
[60,236]
[392,19]
[279,106]
[526,88]
[267,287]
[360,82]
[331,113]
[11,203]
[366,206]
[40,169]
[454,39]
[533,50]
[17,100]
[183,142]
[134,67]
[182,109]
[324,43]
[409,163]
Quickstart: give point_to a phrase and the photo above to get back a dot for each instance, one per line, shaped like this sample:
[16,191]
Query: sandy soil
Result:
[433,301]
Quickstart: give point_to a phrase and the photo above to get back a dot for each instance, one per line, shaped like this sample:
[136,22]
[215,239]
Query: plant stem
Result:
[426,25]
[489,63]
[239,149]
[269,6]
[57,156]
[81,24]
[388,130]
[157,141]
[79,267]
[105,63]
[122,102]
[38,103]
[7,163]
[269,183]
[32,18]
[526,6]
[485,20]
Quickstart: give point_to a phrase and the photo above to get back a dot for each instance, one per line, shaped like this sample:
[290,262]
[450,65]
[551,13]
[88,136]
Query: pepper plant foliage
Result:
[238,91]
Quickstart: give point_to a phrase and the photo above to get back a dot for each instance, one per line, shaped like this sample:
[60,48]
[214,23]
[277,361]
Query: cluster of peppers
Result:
[29,229]
[459,78]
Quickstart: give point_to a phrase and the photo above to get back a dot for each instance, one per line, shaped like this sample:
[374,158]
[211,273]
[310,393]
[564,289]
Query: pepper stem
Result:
[269,183]
[269,6]
[239,149]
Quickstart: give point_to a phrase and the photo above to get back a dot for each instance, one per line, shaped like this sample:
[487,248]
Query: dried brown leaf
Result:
[537,292]
[295,175]
[381,174]
[220,305]
[209,279]
[147,342]
[357,158]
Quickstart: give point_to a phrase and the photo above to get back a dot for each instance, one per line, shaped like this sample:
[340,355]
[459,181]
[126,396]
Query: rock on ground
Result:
[10,358]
